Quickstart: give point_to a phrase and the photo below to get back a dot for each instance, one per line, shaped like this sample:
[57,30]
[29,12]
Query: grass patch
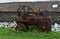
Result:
[12,34]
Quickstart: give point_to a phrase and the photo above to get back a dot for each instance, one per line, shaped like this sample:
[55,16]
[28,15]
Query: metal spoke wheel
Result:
[44,26]
[24,9]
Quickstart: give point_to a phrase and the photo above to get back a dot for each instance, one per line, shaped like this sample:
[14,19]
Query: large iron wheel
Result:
[24,9]
[42,27]
[21,27]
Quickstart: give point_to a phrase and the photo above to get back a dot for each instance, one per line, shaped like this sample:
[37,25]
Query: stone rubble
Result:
[55,27]
[8,24]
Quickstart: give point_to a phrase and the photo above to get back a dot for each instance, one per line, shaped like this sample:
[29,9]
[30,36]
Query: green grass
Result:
[12,34]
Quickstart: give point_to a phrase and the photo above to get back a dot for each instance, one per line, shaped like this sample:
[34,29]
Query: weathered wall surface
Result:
[9,16]
[35,5]
[55,17]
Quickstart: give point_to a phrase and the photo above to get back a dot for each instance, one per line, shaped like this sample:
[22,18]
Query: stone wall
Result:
[7,16]
[10,16]
[13,6]
[55,17]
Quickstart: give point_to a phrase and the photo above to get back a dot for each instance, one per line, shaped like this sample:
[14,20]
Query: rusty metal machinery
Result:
[26,16]
[24,9]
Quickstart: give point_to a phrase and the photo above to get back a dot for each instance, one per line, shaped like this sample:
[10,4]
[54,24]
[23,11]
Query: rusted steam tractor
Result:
[26,16]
